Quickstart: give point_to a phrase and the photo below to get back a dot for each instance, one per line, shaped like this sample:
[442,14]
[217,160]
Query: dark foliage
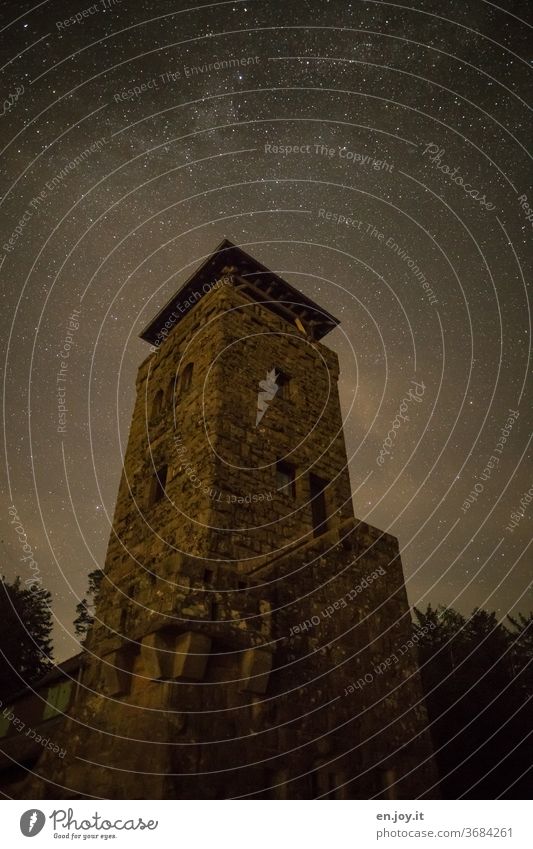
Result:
[25,641]
[477,677]
[85,608]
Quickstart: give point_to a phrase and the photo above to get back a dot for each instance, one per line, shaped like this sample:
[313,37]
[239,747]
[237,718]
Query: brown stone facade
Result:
[251,637]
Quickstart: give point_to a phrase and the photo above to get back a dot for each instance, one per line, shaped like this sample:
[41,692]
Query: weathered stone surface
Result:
[255,670]
[191,652]
[155,660]
[116,677]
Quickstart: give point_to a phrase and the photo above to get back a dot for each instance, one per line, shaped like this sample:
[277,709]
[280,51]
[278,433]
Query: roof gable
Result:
[254,280]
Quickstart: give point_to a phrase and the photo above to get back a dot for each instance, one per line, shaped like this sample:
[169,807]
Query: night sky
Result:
[132,145]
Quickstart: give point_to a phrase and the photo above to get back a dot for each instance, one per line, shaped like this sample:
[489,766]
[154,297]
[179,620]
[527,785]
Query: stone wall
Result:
[290,682]
[343,634]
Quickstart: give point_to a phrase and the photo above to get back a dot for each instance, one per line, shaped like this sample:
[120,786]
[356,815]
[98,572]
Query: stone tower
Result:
[251,637]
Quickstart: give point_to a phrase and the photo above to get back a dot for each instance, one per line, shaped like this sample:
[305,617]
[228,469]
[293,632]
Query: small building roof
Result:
[65,669]
[254,280]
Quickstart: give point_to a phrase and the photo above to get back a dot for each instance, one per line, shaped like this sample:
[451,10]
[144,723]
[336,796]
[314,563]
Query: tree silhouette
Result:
[25,635]
[476,674]
[85,608]
[522,650]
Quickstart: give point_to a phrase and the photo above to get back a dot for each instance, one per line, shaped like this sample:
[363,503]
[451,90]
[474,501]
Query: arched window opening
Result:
[158,484]
[157,406]
[286,478]
[186,378]
[284,383]
[319,511]
[171,392]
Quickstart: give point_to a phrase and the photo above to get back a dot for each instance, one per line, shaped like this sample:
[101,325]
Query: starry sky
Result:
[369,152]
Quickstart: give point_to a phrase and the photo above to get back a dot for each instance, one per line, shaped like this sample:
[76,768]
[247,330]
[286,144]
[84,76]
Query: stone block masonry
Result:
[202,678]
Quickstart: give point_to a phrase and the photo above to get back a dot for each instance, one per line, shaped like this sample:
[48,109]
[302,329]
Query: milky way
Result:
[371,153]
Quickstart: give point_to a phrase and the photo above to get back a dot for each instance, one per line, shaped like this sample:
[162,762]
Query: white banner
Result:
[231,825]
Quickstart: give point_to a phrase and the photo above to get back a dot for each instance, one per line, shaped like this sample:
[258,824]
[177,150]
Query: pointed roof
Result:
[254,280]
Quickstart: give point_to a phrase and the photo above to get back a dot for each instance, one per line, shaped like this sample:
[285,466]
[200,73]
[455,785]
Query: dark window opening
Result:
[159,482]
[284,383]
[186,378]
[285,477]
[157,405]
[318,504]
[171,391]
